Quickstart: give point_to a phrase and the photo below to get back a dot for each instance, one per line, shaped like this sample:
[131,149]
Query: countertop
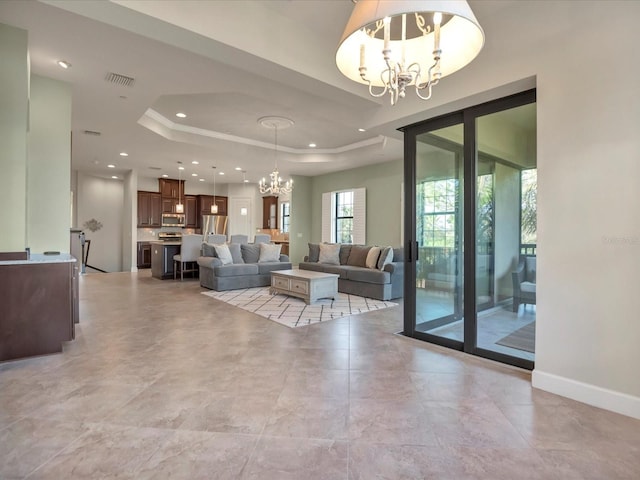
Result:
[160,242]
[38,258]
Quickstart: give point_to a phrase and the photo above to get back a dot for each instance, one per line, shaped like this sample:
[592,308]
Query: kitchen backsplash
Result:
[150,234]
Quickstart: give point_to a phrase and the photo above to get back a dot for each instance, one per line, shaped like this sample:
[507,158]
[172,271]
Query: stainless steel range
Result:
[170,236]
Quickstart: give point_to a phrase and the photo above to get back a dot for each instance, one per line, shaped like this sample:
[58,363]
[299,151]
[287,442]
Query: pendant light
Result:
[243,210]
[180,205]
[214,205]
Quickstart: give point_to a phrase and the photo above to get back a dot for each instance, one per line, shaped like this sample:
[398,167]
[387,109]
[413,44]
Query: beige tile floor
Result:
[164,383]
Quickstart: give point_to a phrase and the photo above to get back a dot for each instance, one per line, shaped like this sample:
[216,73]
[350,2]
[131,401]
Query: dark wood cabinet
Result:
[170,188]
[204,207]
[149,210]
[144,255]
[191,211]
[169,205]
[270,212]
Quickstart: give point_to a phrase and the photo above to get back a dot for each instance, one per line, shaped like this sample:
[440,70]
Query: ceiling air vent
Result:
[120,79]
[92,132]
[155,168]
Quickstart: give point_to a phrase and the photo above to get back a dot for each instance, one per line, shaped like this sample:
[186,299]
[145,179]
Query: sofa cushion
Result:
[314,252]
[266,267]
[208,250]
[345,249]
[236,253]
[314,266]
[223,253]
[269,252]
[337,269]
[528,287]
[250,252]
[358,256]
[368,275]
[372,257]
[329,253]
[398,254]
[386,257]
[235,270]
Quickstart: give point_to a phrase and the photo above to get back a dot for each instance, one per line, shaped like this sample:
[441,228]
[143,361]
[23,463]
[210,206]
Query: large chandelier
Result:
[402,43]
[275,186]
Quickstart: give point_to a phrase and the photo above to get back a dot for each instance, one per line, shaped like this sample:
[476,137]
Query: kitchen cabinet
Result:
[270,212]
[170,188]
[149,209]
[191,211]
[38,305]
[144,255]
[204,207]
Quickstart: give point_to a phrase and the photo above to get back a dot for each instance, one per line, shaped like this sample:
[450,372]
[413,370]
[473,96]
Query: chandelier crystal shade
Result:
[180,205]
[275,186]
[390,45]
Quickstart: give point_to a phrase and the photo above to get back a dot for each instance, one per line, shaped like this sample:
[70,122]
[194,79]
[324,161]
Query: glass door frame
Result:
[411,132]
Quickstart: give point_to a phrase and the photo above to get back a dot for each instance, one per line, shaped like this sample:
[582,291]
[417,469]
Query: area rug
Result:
[522,339]
[293,312]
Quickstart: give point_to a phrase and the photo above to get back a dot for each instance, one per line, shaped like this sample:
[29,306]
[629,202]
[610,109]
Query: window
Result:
[344,216]
[285,213]
[528,212]
[438,227]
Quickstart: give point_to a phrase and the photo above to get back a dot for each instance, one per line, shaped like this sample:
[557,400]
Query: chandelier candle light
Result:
[275,187]
[402,43]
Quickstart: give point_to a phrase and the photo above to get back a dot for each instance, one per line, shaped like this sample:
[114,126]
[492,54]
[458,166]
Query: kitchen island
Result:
[162,258]
[38,304]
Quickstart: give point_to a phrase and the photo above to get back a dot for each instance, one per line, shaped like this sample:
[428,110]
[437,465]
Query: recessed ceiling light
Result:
[111,165]
[114,177]
[361,130]
[164,175]
[201,179]
[194,174]
[64,64]
[180,168]
[221,173]
[195,162]
[239,169]
[246,181]
[124,154]
[181,115]
[312,145]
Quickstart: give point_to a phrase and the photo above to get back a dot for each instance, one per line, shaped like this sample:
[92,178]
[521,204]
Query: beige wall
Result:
[14,79]
[49,166]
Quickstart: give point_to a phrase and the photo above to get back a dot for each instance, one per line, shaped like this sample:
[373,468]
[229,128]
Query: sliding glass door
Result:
[470,230]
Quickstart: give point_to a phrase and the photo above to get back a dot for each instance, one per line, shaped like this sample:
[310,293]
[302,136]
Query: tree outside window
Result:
[344,217]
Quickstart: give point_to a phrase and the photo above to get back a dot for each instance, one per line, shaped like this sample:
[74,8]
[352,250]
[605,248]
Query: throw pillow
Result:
[236,253]
[372,257]
[386,257]
[345,249]
[223,253]
[250,252]
[329,253]
[269,252]
[358,256]
[314,252]
[208,250]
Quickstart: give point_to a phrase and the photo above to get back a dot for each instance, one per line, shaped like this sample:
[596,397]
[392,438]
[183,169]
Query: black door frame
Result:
[467,117]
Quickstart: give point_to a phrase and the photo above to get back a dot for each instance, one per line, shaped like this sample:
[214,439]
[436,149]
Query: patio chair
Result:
[524,282]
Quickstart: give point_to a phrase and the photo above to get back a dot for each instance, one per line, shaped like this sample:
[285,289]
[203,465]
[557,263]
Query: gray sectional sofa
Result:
[385,282]
[246,271]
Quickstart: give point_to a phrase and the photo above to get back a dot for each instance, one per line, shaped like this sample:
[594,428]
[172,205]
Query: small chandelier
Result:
[275,186]
[402,43]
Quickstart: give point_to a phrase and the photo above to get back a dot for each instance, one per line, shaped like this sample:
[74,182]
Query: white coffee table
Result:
[305,284]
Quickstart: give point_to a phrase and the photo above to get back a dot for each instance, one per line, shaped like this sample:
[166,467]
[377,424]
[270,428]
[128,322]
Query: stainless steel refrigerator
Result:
[213,224]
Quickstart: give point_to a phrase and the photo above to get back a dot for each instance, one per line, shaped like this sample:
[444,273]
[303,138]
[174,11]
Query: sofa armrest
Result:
[284,258]
[209,262]
[394,268]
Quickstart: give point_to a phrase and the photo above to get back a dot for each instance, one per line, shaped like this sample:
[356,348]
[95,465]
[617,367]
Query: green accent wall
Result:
[383,183]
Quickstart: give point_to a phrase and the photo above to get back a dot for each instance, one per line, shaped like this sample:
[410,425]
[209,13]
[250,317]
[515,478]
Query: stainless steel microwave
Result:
[173,219]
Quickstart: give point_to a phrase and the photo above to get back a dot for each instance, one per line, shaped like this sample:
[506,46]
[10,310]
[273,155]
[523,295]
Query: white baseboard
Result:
[586,393]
